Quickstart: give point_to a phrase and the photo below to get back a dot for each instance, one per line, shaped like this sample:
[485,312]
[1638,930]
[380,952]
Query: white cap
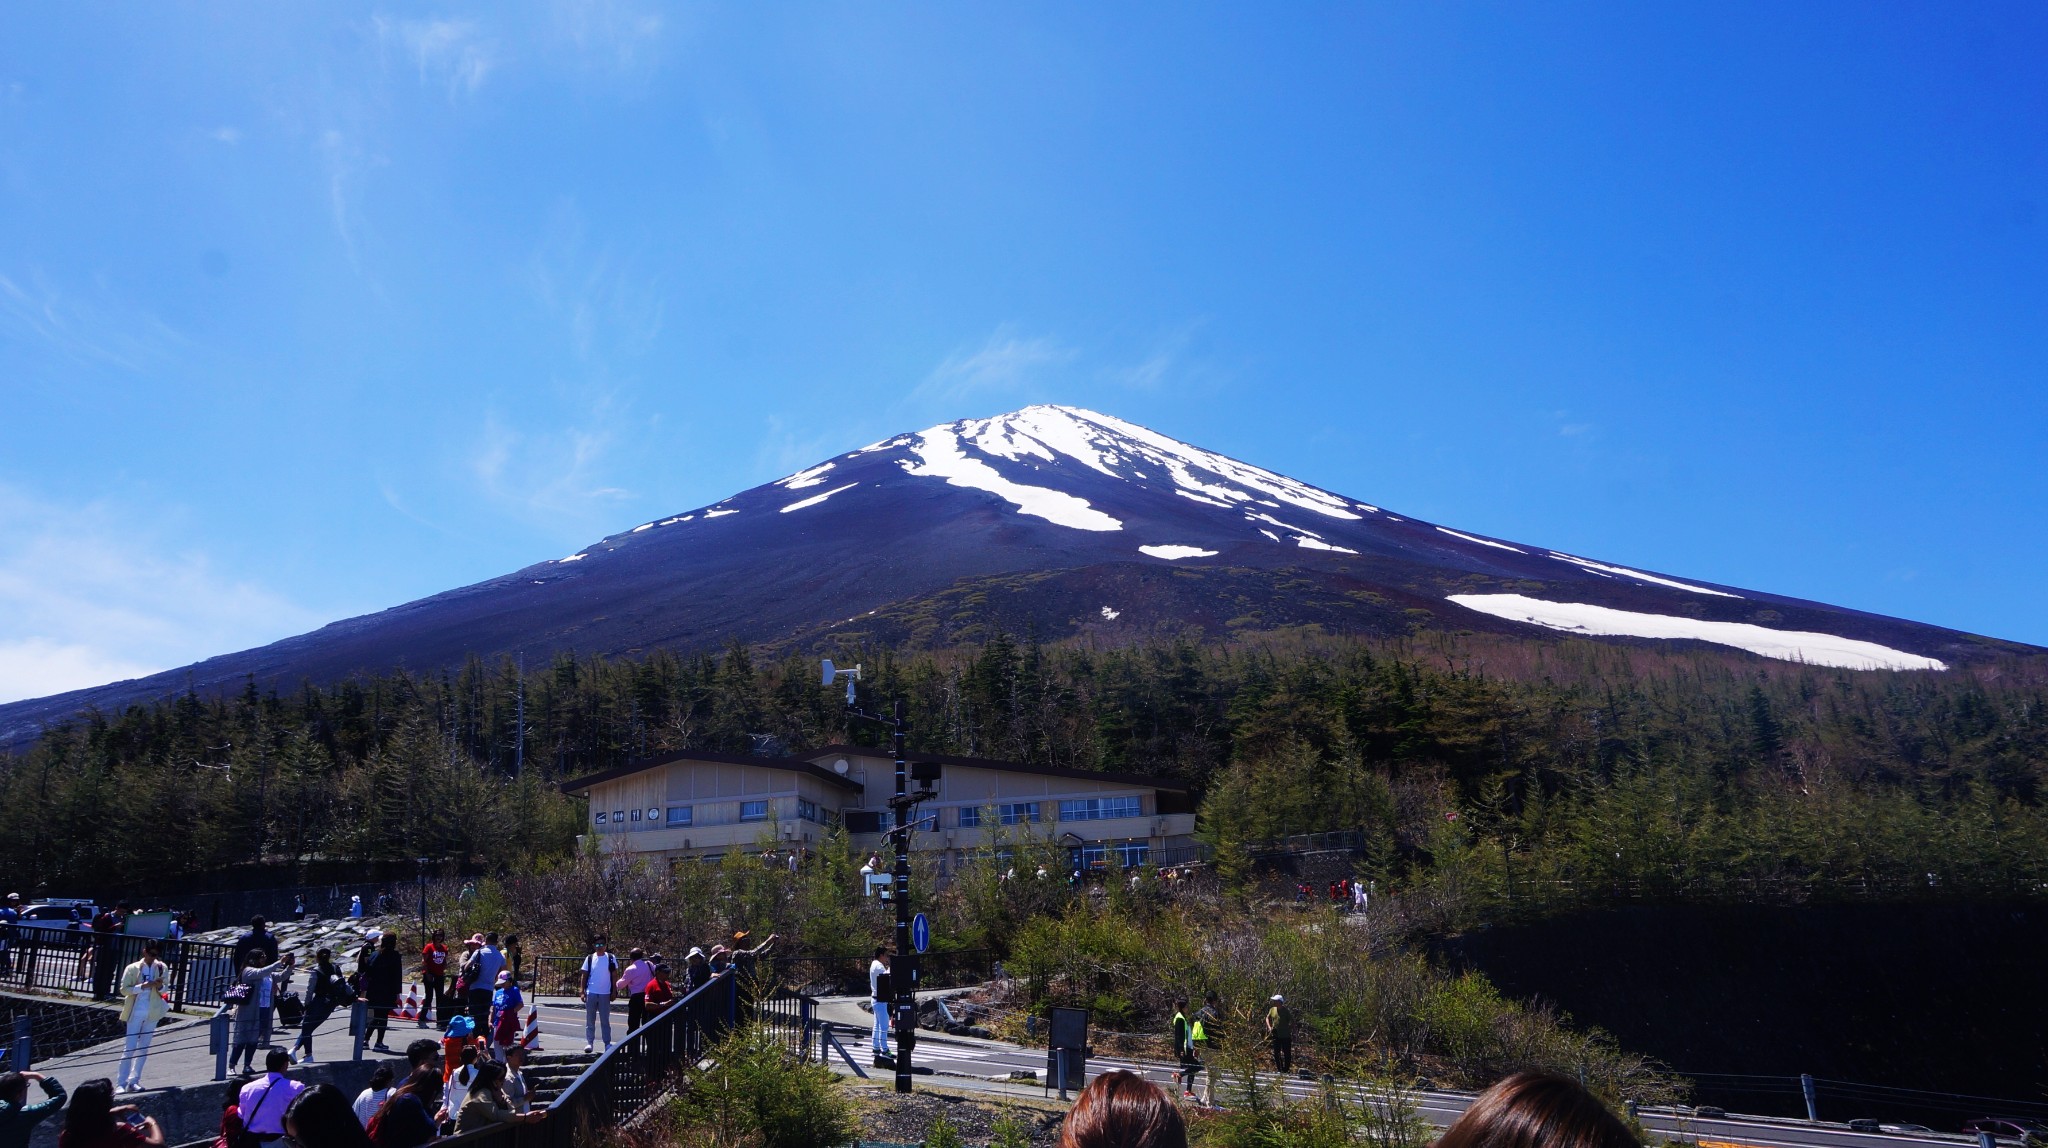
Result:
[374,935]
[1277,996]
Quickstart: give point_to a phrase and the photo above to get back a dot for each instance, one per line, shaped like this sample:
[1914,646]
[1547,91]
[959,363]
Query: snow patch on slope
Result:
[817,498]
[1603,568]
[804,478]
[1786,645]
[1481,541]
[938,450]
[1172,552]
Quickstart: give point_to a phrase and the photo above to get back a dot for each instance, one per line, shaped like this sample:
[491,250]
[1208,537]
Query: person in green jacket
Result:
[18,1117]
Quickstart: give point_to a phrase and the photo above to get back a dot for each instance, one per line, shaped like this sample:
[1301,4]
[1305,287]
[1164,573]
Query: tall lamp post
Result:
[902,807]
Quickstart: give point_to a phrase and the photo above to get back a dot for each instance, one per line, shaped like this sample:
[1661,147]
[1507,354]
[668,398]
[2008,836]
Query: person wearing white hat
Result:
[355,907]
[1280,1030]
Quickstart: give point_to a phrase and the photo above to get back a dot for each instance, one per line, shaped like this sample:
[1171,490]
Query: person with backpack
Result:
[326,990]
[600,973]
[253,996]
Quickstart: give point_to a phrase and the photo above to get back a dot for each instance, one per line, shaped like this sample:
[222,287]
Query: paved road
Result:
[954,1060]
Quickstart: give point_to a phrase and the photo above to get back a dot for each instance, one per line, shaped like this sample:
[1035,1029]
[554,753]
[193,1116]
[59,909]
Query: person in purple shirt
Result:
[263,1102]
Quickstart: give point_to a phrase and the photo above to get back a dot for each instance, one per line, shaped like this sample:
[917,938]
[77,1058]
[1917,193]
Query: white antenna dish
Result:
[841,766]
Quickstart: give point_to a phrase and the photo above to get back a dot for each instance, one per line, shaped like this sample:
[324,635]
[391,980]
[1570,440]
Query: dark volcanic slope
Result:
[1047,509]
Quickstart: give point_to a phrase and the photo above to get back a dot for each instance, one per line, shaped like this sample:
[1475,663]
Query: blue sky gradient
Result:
[310,310]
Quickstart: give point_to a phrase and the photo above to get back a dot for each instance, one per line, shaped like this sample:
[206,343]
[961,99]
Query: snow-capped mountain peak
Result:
[1059,520]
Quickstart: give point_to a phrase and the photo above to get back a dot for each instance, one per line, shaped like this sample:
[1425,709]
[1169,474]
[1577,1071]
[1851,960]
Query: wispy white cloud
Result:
[1006,364]
[97,592]
[94,328]
[226,134]
[557,471]
[614,37]
[454,55]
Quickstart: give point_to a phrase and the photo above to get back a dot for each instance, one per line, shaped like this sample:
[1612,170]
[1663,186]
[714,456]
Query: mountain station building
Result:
[705,805]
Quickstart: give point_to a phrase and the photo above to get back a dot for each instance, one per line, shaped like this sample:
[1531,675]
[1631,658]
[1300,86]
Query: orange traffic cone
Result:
[530,1039]
[410,1010]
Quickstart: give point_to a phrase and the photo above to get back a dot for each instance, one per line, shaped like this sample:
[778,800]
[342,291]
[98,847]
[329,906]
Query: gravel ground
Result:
[889,1116]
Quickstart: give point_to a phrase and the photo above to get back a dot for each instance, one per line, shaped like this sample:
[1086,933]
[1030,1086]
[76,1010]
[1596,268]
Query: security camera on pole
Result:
[902,808]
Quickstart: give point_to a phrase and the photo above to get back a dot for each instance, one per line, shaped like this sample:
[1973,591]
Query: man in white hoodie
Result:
[142,1006]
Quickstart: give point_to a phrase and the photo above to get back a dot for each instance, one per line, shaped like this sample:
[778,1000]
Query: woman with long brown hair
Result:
[1123,1110]
[1537,1110]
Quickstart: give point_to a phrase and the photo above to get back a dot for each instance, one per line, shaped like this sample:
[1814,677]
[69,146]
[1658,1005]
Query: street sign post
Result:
[920,933]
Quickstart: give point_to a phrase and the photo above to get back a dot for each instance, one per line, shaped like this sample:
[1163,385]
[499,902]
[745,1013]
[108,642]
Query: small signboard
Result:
[920,933]
[1067,1046]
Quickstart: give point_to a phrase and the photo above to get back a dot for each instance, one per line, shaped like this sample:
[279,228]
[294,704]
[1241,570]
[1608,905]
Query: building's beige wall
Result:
[714,791]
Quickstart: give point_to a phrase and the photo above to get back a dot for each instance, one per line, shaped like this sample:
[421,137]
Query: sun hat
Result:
[504,975]
[696,951]
[476,939]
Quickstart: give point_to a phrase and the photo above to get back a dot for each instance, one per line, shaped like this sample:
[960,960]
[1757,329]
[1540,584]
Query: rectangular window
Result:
[970,816]
[1091,856]
[1132,854]
[831,819]
[679,815]
[1020,812]
[1098,808]
[806,809]
[753,811]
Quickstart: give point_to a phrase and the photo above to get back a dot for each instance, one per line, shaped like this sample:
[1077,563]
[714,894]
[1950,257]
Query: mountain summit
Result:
[1050,518]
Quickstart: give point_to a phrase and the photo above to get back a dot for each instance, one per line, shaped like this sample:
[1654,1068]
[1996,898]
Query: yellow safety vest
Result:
[1196,1034]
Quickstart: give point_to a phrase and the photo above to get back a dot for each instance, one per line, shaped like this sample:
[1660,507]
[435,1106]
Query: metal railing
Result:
[79,961]
[846,975]
[651,1063]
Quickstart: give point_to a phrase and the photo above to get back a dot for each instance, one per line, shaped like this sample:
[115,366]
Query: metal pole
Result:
[218,1037]
[906,998]
[359,1026]
[1812,1104]
[1059,1063]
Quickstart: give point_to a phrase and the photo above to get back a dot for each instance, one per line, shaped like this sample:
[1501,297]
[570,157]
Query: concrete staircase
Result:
[548,1073]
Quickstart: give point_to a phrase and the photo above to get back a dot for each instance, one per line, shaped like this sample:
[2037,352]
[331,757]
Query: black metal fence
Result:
[805,973]
[651,1063]
[79,961]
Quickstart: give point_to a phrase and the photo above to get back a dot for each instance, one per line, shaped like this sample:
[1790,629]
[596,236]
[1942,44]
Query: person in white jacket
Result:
[142,1006]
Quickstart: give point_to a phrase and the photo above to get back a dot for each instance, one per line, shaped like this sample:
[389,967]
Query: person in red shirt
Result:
[433,976]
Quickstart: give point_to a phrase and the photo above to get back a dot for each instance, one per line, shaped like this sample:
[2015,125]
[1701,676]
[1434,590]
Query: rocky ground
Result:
[907,1119]
[305,938]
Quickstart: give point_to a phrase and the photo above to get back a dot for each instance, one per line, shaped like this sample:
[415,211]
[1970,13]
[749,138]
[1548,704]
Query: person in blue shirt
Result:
[17,1116]
[506,1001]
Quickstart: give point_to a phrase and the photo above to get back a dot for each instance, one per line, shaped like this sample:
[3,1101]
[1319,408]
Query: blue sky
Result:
[309,310]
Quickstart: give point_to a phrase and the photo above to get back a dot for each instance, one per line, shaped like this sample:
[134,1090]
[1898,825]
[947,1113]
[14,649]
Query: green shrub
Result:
[756,1092]
[943,1134]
